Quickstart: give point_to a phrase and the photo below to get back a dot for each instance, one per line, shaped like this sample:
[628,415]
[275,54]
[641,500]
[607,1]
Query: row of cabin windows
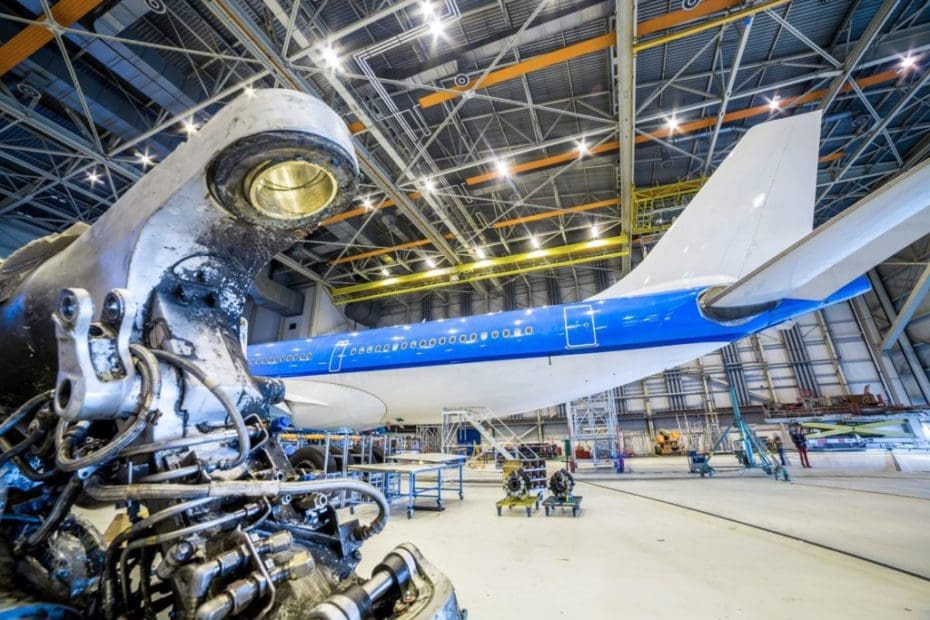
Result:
[423,344]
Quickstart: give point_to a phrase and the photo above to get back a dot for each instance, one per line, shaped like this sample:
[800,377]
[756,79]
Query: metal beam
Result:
[731,84]
[904,342]
[907,310]
[626,116]
[862,45]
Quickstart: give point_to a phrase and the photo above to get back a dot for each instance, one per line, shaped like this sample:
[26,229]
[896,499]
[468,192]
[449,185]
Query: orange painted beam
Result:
[346,215]
[30,39]
[557,212]
[357,127]
[703,123]
[831,157]
[403,246]
[582,48]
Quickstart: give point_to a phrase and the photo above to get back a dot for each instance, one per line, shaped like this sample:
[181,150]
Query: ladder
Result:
[492,429]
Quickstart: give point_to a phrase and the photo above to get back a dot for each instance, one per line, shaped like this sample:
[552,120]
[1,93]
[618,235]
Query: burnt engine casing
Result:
[124,382]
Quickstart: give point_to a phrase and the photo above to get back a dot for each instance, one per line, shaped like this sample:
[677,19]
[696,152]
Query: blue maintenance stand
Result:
[398,481]
[750,451]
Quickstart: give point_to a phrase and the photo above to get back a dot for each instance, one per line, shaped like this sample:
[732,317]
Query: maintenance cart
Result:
[571,501]
[527,502]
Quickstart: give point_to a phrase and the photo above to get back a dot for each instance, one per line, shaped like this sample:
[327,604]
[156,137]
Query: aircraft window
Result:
[484,335]
[528,331]
[473,337]
[413,344]
[352,352]
[394,346]
[369,349]
[506,333]
[462,338]
[494,334]
[422,343]
[377,348]
[403,345]
[517,331]
[432,342]
[442,340]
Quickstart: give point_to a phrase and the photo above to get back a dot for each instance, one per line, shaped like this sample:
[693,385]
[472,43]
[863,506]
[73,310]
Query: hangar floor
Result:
[633,556]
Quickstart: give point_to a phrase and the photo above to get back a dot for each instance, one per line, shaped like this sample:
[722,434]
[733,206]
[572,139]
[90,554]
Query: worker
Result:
[778,445]
[800,442]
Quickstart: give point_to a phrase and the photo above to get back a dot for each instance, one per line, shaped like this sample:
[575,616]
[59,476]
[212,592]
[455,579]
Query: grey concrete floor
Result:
[632,557]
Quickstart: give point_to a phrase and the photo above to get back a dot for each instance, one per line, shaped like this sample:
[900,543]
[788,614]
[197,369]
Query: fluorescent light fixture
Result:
[190,127]
[534,242]
[502,168]
[908,62]
[93,177]
[385,272]
[429,185]
[367,203]
[595,232]
[775,104]
[671,123]
[430,262]
[437,28]
[480,253]
[145,159]
[583,148]
[330,57]
[427,8]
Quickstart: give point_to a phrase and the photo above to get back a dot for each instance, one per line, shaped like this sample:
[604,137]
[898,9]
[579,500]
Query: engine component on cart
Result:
[517,483]
[123,381]
[561,484]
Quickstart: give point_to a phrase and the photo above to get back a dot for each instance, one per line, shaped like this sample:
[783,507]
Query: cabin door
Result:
[579,326]
[339,352]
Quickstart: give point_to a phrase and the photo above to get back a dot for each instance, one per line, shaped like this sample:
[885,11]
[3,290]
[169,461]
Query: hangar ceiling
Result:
[488,130]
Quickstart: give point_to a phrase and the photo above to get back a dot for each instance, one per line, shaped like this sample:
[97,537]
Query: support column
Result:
[626,95]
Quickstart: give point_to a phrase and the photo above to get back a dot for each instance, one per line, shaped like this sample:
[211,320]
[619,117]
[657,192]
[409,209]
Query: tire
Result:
[336,454]
[311,458]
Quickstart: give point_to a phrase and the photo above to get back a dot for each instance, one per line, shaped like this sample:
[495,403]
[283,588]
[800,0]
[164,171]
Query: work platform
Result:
[398,479]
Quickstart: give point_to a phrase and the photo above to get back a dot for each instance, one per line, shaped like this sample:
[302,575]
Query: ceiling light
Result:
[93,177]
[671,123]
[385,272]
[145,159]
[427,8]
[582,147]
[249,91]
[429,185]
[595,233]
[502,168]
[534,242]
[330,57]
[190,127]
[367,203]
[430,263]
[775,104]
[480,253]
[437,28]
[908,62]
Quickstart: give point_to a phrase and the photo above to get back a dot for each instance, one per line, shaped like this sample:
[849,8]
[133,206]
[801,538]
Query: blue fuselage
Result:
[626,323]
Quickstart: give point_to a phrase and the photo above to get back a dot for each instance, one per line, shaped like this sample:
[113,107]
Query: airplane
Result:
[741,258]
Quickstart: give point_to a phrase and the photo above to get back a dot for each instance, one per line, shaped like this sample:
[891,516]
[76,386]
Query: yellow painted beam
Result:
[582,48]
[30,39]
[537,260]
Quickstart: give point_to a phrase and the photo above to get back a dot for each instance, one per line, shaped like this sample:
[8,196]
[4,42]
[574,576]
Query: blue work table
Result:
[388,478]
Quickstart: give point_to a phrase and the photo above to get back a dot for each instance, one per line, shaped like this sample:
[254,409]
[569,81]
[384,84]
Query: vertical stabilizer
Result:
[759,201]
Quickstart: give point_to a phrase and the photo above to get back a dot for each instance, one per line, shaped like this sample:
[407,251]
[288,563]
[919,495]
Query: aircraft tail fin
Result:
[759,201]
[890,218]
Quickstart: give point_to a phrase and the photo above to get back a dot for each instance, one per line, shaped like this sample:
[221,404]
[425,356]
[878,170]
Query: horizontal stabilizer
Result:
[882,223]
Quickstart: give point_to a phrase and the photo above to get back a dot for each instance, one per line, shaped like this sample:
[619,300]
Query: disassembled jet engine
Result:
[561,484]
[123,381]
[518,483]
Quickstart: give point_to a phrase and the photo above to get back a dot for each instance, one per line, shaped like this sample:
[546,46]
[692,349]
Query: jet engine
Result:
[123,382]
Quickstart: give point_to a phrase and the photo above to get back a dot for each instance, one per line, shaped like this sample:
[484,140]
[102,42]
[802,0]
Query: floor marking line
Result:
[850,554]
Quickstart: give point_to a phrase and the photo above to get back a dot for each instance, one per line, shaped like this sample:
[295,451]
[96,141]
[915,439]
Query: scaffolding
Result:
[592,420]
